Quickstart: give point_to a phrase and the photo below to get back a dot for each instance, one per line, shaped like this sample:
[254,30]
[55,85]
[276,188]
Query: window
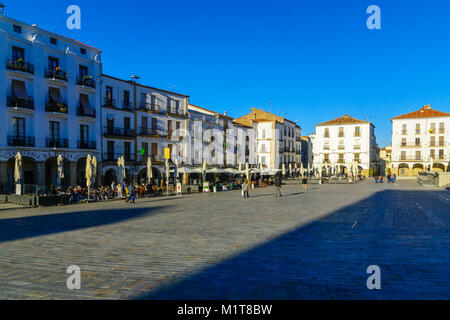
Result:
[153,100]
[341,158]
[144,122]
[441,154]
[127,150]
[84,133]
[178,125]
[169,103]
[110,150]
[418,156]
[403,155]
[83,70]
[154,123]
[177,105]
[441,141]
[53,63]
[53,41]
[54,130]
[357,131]
[82,50]
[356,157]
[126,98]
[326,133]
[17,28]
[18,127]
[432,154]
[404,129]
[144,149]
[403,142]
[432,141]
[326,157]
[154,149]
[170,126]
[341,132]
[417,142]
[417,128]
[441,128]
[108,95]
[126,123]
[18,53]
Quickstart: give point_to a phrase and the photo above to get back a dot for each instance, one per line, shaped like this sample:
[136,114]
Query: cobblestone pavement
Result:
[315,245]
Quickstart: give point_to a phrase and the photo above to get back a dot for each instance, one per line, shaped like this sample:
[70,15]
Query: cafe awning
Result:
[18,89]
[84,102]
[55,94]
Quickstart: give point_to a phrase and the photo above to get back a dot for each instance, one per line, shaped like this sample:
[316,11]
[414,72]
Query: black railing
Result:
[152,132]
[60,107]
[56,143]
[87,144]
[175,112]
[19,65]
[121,132]
[127,106]
[55,74]
[110,156]
[21,141]
[16,102]
[81,112]
[151,107]
[109,102]
[86,81]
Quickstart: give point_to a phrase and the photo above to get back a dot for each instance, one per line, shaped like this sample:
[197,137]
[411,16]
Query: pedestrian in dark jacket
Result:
[304,184]
[277,186]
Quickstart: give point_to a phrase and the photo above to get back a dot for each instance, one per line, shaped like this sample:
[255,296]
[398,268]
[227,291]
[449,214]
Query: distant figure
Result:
[245,188]
[304,184]
[277,186]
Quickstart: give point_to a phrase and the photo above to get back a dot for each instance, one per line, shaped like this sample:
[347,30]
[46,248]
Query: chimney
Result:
[2,8]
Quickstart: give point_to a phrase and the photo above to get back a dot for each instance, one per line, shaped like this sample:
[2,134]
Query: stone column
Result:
[73,173]
[40,174]
[3,175]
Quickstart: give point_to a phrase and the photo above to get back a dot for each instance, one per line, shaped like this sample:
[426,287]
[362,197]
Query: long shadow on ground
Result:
[38,225]
[405,233]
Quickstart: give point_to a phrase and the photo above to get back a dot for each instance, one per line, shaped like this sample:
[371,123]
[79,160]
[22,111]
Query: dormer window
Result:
[17,28]
[53,41]
[82,50]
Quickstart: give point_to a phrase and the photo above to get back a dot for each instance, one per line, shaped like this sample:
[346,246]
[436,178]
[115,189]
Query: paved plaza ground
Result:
[313,245]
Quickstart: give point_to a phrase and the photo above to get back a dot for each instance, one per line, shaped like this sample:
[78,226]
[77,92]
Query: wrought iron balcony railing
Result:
[152,132]
[21,141]
[86,81]
[56,107]
[19,65]
[16,102]
[119,132]
[87,144]
[109,102]
[83,113]
[55,74]
[56,143]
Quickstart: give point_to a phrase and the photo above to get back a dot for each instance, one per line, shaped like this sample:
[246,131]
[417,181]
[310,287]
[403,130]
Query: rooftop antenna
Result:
[2,8]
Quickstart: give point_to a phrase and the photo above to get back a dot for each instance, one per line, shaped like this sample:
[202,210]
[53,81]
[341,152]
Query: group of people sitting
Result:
[390,178]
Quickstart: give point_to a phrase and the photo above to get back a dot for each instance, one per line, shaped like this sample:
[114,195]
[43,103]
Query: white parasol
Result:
[18,168]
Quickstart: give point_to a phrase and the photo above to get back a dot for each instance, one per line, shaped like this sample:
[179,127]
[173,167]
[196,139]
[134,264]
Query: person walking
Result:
[277,186]
[245,188]
[304,184]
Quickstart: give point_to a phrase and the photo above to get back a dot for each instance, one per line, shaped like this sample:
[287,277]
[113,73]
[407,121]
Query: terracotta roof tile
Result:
[346,119]
[424,112]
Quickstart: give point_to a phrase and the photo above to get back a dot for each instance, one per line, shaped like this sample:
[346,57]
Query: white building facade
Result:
[343,141]
[49,104]
[420,142]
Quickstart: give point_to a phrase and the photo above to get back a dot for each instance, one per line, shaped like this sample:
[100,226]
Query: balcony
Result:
[19,65]
[410,145]
[127,106]
[175,112]
[56,107]
[57,143]
[55,74]
[109,103]
[341,161]
[149,107]
[357,134]
[404,132]
[441,130]
[357,147]
[87,144]
[109,131]
[111,156]
[21,141]
[152,132]
[341,147]
[326,161]
[86,81]
[84,113]
[20,103]
[411,158]
[326,147]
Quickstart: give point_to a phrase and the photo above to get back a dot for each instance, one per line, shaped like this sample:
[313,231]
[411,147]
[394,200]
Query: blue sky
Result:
[307,60]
